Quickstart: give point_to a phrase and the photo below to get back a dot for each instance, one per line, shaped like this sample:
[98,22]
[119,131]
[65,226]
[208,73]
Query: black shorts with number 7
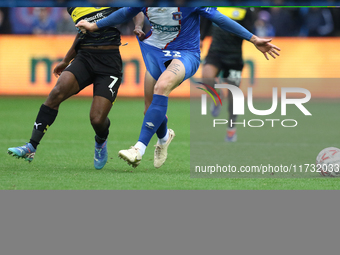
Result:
[102,68]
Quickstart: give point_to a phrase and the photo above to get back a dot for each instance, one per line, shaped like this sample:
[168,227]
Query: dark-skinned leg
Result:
[100,109]
[66,86]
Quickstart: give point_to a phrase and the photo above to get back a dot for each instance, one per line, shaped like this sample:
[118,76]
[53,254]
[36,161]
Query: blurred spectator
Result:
[66,24]
[290,26]
[263,27]
[151,2]
[63,3]
[317,22]
[180,2]
[5,25]
[336,19]
[102,3]
[22,18]
[43,24]
[286,28]
[271,21]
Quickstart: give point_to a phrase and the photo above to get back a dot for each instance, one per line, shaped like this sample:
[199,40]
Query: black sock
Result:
[44,120]
[101,137]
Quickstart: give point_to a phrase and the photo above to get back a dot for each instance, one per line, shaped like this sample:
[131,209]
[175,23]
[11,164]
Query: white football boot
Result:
[161,151]
[132,156]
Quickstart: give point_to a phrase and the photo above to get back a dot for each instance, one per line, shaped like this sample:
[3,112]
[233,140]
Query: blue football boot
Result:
[26,151]
[100,155]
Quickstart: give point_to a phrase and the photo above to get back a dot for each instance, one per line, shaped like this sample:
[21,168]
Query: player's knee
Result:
[55,98]
[162,88]
[97,120]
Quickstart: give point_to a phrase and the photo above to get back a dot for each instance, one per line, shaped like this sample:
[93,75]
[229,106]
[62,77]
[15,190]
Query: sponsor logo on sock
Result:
[36,125]
[150,125]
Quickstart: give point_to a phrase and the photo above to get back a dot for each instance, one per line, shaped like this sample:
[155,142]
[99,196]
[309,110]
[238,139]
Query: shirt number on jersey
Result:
[169,53]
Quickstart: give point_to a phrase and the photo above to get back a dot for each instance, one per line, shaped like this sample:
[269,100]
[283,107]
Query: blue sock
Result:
[153,118]
[163,128]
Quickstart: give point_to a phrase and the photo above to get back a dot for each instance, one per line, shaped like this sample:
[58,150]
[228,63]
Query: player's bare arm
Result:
[230,25]
[67,59]
[121,16]
[139,23]
[84,26]
[265,46]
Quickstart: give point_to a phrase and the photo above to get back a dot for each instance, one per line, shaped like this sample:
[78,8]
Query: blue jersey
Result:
[175,34]
[175,28]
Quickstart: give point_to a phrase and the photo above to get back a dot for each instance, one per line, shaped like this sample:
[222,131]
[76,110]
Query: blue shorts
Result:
[155,60]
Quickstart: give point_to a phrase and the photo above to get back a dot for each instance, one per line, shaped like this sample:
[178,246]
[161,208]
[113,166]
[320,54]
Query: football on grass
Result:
[328,162]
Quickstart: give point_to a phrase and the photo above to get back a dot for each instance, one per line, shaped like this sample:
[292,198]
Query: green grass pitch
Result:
[64,159]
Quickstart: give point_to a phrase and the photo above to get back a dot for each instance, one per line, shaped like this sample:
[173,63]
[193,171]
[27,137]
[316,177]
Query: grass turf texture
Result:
[64,159]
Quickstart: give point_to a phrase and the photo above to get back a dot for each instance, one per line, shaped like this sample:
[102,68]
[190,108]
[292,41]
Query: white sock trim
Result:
[141,146]
[163,140]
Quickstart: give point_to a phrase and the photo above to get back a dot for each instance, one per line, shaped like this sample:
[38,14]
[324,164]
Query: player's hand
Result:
[138,31]
[85,26]
[265,47]
[60,68]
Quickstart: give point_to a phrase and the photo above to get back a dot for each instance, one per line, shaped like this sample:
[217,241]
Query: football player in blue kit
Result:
[171,52]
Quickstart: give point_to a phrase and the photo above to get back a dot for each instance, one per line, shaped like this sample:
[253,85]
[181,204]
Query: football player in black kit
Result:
[96,60]
[225,57]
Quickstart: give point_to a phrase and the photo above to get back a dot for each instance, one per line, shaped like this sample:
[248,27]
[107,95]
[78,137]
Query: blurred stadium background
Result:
[119,3]
[34,39]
